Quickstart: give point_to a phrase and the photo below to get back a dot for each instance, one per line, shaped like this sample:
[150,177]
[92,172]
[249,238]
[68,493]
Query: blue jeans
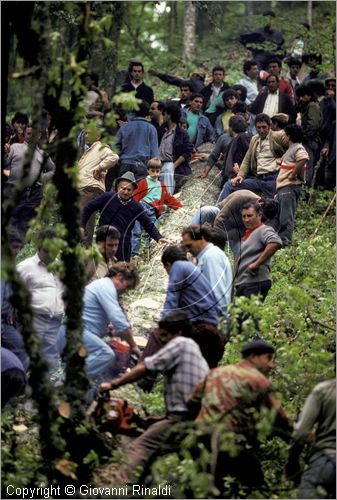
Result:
[205,214]
[137,230]
[167,176]
[12,340]
[288,198]
[100,357]
[264,184]
[321,472]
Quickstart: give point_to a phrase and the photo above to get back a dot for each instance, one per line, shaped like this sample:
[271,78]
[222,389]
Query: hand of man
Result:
[108,386]
[97,174]
[325,152]
[236,168]
[163,241]
[204,172]
[237,180]
[253,268]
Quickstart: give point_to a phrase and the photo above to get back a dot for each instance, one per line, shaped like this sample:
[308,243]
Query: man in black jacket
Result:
[143,91]
[273,101]
[175,150]
[196,82]
[217,85]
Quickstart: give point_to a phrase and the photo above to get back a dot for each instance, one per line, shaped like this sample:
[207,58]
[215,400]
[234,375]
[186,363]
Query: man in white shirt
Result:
[46,296]
[251,71]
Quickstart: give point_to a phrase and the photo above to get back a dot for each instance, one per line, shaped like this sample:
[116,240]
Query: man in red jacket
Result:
[153,196]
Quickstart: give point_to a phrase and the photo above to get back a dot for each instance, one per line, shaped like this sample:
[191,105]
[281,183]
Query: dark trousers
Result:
[313,152]
[287,197]
[25,211]
[260,287]
[320,473]
[139,170]
[210,340]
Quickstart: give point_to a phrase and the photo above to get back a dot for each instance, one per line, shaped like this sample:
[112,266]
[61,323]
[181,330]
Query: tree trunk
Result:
[190,32]
[309,12]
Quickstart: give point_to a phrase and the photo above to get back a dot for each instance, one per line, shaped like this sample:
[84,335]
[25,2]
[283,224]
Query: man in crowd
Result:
[259,169]
[190,292]
[249,80]
[46,296]
[31,196]
[217,85]
[234,397]
[156,118]
[230,99]
[175,150]
[319,479]
[92,168]
[294,66]
[185,95]
[289,181]
[20,122]
[258,245]
[274,69]
[137,142]
[143,91]
[200,129]
[183,367]
[314,61]
[119,209]
[273,101]
[311,120]
[101,307]
[107,239]
[213,263]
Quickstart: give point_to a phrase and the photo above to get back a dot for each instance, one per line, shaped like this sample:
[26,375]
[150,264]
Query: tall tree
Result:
[190,20]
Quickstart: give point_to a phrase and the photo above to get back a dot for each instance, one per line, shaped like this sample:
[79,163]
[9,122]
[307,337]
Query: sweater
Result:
[251,249]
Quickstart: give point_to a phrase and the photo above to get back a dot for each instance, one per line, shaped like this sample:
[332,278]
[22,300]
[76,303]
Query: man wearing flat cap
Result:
[237,396]
[122,211]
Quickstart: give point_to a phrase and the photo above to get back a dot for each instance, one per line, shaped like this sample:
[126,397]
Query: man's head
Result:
[90,80]
[171,112]
[294,67]
[312,60]
[318,88]
[183,123]
[44,252]
[260,354]
[305,94]
[185,93]
[294,133]
[262,123]
[229,98]
[15,241]
[330,87]
[279,121]
[143,109]
[107,238]
[173,325]
[19,122]
[195,238]
[196,103]
[156,108]
[154,168]
[125,186]
[124,276]
[251,69]
[241,92]
[274,66]
[272,83]
[136,71]
[218,75]
[236,125]
[251,214]
[170,255]
[198,74]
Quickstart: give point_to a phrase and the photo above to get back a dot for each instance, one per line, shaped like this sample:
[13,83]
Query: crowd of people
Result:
[272,136]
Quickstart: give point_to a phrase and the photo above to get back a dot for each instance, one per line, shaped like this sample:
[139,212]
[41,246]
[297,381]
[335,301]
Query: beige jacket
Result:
[278,145]
[99,156]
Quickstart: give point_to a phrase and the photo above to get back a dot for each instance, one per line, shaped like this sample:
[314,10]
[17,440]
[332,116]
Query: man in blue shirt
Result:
[212,262]
[200,129]
[190,292]
[137,142]
[101,307]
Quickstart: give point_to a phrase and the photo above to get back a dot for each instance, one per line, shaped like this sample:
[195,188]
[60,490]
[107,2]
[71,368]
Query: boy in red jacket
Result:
[153,195]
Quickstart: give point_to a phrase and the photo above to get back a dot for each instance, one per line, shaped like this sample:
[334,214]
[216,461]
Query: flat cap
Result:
[258,346]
